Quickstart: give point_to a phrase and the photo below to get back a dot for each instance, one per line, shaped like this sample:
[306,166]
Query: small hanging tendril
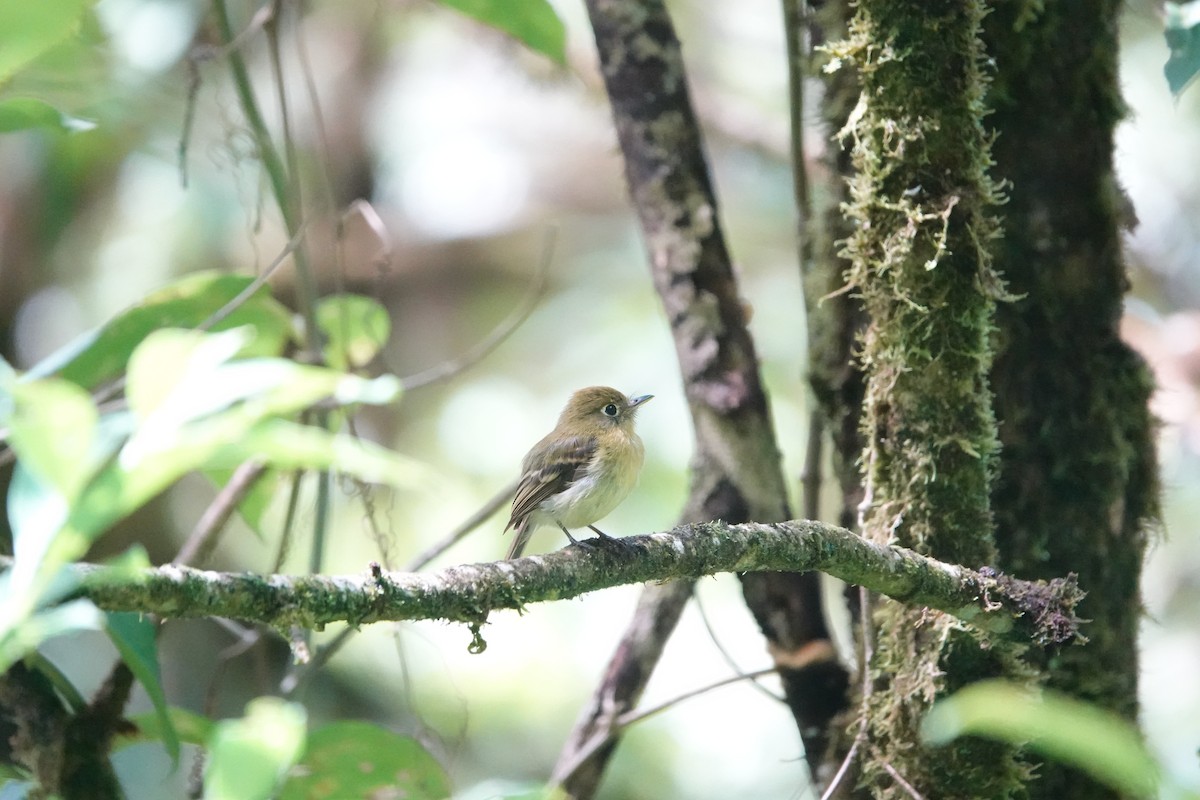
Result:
[477,645]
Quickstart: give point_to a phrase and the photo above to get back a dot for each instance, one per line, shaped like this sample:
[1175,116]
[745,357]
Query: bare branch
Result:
[206,534]
[448,369]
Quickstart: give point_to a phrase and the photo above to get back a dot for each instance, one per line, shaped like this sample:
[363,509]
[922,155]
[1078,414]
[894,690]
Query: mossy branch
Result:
[1041,612]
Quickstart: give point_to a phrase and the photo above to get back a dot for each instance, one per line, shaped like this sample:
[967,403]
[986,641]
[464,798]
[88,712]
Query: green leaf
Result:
[135,639]
[191,728]
[23,113]
[354,328]
[287,445]
[248,757]
[357,759]
[101,355]
[22,633]
[1181,27]
[180,366]
[29,29]
[208,419]
[35,513]
[52,427]
[530,21]
[178,377]
[1092,739]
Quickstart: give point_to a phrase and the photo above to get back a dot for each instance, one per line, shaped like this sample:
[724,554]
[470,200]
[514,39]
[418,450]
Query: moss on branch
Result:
[997,605]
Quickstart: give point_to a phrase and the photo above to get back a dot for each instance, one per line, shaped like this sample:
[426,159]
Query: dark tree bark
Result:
[1078,482]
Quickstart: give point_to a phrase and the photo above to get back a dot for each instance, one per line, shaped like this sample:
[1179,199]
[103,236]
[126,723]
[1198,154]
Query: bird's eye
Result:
[610,410]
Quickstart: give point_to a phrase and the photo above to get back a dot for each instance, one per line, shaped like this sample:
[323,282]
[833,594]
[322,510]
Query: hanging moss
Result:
[922,203]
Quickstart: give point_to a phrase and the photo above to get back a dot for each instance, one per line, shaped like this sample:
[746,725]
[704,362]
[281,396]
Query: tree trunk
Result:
[1077,481]
[921,199]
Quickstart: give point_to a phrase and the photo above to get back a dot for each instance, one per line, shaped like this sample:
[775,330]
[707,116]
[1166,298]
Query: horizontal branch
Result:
[997,604]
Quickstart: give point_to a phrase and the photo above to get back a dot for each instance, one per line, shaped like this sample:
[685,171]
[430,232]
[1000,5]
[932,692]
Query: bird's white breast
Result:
[591,497]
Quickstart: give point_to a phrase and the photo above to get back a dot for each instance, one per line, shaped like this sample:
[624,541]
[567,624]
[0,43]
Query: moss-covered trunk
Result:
[1077,478]
[921,201]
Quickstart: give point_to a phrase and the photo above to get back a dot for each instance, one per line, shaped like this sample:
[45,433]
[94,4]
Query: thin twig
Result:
[212,522]
[322,511]
[480,351]
[300,675]
[629,718]
[810,475]
[868,651]
[289,523]
[197,56]
[372,220]
[245,294]
[471,523]
[794,13]
[291,202]
[277,173]
[725,654]
[905,785]
[842,769]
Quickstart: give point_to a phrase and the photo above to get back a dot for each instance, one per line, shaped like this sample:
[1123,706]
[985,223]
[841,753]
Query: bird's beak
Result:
[634,402]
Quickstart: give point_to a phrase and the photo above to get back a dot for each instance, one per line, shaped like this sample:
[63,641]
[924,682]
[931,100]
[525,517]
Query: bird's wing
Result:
[565,462]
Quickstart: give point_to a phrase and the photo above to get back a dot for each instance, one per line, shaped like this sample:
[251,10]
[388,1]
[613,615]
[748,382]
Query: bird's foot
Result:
[602,538]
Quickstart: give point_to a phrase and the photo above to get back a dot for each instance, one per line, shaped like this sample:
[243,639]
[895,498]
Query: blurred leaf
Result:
[1181,27]
[21,634]
[177,377]
[52,426]
[209,417]
[70,695]
[191,728]
[134,636]
[29,29]
[22,113]
[1092,739]
[530,21]
[355,329]
[36,581]
[194,407]
[248,757]
[180,365]
[357,759]
[35,513]
[124,567]
[102,354]
[288,445]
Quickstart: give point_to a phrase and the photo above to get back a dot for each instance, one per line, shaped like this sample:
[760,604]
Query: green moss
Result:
[1078,485]
[922,205]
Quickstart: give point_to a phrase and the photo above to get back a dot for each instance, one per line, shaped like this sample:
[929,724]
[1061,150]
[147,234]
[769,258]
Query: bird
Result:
[581,470]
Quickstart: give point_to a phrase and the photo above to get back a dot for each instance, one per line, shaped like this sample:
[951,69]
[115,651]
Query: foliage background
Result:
[471,149]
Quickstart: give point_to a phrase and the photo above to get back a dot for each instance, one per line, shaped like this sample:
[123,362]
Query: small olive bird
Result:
[582,469]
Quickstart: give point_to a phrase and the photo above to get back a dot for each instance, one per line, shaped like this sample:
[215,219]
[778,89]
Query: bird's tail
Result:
[521,534]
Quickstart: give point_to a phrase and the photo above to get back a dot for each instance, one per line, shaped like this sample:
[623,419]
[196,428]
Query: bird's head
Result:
[601,406]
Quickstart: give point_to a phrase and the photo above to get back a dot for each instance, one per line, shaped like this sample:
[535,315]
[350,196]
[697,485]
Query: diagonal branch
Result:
[736,473]
[1001,606]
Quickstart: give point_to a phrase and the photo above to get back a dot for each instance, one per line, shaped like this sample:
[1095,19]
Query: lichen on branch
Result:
[995,605]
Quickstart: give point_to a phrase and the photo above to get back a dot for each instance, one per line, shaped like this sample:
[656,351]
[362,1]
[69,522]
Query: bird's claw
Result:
[604,540]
